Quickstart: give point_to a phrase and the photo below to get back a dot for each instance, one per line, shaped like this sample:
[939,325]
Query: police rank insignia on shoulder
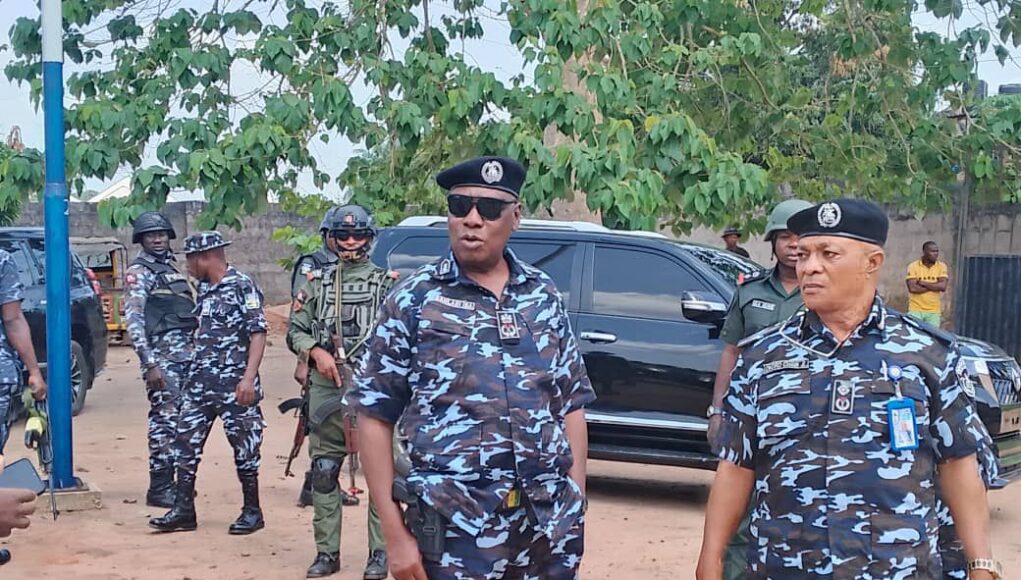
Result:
[508,325]
[252,301]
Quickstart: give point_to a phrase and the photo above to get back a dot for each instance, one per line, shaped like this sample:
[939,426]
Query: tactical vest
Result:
[171,304]
[359,298]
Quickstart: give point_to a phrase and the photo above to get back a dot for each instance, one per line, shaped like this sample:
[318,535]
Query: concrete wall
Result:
[994,229]
[990,230]
[253,251]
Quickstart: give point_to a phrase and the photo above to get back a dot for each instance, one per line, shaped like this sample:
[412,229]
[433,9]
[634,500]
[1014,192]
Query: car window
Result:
[635,283]
[78,276]
[17,251]
[730,267]
[413,253]
[556,260]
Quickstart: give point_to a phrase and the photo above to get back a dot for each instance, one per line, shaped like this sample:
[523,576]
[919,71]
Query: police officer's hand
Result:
[326,365]
[405,559]
[38,386]
[15,507]
[245,391]
[714,431]
[301,372]
[154,379]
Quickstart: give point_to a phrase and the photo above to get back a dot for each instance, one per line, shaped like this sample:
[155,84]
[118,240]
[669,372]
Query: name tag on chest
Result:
[763,305]
[455,303]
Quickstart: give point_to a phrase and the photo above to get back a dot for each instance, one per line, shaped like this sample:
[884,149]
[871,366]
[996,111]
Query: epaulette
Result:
[939,333]
[759,275]
[755,337]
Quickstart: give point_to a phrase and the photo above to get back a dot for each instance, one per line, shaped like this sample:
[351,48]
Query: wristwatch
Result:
[988,565]
[713,410]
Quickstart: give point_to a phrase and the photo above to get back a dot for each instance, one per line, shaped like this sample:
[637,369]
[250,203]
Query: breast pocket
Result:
[900,546]
[782,416]
[883,392]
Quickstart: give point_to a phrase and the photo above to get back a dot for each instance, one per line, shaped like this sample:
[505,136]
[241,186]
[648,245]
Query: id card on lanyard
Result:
[900,416]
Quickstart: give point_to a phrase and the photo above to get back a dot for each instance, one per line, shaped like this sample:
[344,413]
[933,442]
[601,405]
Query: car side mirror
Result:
[703,307]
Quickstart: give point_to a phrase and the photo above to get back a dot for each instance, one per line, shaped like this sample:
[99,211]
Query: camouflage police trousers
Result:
[327,450]
[242,424]
[509,547]
[164,408]
[8,391]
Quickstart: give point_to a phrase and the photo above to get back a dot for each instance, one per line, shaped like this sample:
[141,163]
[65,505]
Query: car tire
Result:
[81,377]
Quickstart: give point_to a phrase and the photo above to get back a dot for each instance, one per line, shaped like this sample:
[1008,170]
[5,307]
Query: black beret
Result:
[493,172]
[856,219]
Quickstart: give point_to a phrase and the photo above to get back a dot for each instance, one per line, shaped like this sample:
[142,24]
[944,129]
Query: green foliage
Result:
[685,112]
[21,178]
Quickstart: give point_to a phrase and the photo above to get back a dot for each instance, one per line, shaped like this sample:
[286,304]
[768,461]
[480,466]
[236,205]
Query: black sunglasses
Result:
[358,235]
[489,208]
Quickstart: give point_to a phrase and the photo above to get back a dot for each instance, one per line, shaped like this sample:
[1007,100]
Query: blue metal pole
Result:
[58,265]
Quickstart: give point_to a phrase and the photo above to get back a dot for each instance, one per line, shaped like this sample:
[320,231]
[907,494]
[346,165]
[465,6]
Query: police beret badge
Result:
[492,171]
[829,215]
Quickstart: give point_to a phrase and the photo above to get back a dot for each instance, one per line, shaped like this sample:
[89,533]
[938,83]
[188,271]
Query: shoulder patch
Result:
[746,278]
[130,278]
[305,268]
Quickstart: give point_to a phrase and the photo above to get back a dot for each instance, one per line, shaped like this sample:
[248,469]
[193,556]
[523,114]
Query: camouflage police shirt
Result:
[229,314]
[832,498]
[482,388]
[11,290]
[139,283]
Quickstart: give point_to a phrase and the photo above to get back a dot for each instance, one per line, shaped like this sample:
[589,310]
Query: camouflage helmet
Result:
[352,217]
[203,242]
[151,221]
[783,211]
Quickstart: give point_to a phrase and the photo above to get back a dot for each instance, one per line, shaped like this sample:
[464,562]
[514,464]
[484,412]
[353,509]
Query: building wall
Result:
[253,251]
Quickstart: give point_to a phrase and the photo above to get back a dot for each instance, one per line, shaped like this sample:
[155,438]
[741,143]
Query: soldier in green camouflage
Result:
[331,316]
[759,302]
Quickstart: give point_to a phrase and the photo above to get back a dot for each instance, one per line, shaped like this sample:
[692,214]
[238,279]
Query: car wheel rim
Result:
[76,379]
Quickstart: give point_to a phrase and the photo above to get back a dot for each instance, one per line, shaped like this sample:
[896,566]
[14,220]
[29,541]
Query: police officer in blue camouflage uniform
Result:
[836,421]
[223,382]
[159,304]
[475,355]
[16,351]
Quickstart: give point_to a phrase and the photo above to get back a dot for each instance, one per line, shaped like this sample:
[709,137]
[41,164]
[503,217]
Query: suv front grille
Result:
[1006,378]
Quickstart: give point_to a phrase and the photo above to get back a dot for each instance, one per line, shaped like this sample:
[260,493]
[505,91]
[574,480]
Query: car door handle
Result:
[598,336]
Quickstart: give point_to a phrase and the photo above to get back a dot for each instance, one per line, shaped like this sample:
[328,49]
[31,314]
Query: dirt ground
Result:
[644,521]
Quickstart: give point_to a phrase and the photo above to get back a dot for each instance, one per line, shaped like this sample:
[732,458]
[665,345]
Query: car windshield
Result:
[730,267]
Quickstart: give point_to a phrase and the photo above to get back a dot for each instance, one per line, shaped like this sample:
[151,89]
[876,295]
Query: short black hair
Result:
[927,244]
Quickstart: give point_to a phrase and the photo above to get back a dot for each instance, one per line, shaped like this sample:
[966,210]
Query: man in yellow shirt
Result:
[927,279]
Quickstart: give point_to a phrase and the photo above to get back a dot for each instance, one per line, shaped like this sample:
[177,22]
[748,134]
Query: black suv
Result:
[88,327]
[647,310]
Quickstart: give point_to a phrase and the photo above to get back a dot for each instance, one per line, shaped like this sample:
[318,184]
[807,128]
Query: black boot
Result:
[161,488]
[305,497]
[250,520]
[182,517]
[324,565]
[376,568]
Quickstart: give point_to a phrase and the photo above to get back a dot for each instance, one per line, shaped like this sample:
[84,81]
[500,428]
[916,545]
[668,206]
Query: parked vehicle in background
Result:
[105,260]
[88,327]
[647,310]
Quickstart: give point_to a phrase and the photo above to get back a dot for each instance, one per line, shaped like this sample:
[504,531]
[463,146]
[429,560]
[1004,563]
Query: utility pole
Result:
[58,266]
